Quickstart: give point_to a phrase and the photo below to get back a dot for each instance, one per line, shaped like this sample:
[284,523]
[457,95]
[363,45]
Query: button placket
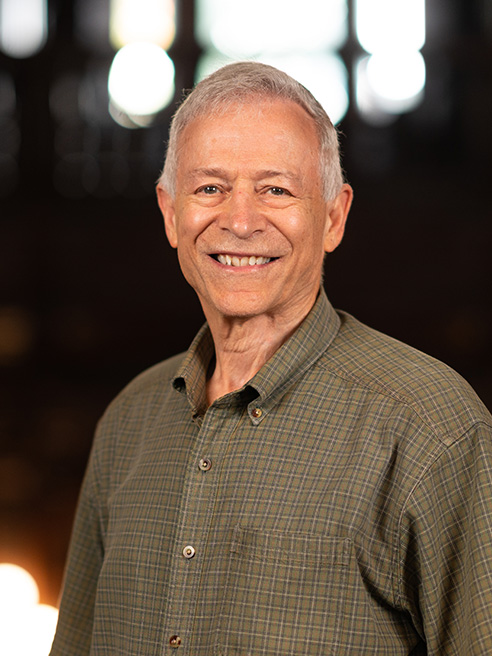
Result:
[198,494]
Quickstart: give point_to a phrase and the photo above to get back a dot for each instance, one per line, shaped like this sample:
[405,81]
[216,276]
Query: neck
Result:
[242,347]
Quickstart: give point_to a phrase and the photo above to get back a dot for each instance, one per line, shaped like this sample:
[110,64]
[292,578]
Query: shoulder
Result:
[139,399]
[144,406]
[382,365]
[153,380]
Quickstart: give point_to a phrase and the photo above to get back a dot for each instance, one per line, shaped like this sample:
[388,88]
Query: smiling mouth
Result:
[235,261]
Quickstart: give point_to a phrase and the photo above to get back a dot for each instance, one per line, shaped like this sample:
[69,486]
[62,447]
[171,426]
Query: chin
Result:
[238,306]
[240,311]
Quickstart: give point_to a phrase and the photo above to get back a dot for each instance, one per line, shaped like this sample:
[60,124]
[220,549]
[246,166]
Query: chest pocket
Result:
[284,594]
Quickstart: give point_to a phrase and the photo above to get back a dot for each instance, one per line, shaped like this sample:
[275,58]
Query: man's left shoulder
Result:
[387,366]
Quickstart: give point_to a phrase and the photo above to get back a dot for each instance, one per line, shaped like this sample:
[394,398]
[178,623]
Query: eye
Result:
[278,191]
[208,189]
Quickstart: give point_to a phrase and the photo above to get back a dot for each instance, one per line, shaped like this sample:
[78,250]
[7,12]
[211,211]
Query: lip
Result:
[239,254]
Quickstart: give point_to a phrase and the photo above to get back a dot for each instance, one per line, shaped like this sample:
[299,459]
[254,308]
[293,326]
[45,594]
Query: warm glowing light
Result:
[16,333]
[141,79]
[390,24]
[17,588]
[23,27]
[26,627]
[324,75]
[142,20]
[246,29]
[40,623]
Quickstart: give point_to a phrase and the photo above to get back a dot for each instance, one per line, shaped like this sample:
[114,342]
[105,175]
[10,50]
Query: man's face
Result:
[249,219]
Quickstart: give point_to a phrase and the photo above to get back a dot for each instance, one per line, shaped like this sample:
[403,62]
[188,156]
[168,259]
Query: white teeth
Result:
[242,261]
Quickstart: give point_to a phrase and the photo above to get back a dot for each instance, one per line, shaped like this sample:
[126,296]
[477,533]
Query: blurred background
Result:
[90,292]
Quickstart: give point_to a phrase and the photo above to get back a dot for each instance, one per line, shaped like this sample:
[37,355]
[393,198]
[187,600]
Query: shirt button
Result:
[256,412]
[175,641]
[205,464]
[188,551]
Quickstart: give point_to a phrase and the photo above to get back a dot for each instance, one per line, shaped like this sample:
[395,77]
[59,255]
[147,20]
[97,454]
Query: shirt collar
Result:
[292,359]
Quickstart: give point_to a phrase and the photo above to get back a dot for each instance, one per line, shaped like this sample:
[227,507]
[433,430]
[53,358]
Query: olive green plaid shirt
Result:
[339,503]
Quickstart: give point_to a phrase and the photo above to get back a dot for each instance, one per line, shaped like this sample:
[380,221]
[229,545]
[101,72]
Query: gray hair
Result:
[241,82]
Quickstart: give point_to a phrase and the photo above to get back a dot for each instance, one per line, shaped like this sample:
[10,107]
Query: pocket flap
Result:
[300,548]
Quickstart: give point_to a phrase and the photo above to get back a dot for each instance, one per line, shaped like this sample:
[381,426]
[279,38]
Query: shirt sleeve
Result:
[446,549]
[75,622]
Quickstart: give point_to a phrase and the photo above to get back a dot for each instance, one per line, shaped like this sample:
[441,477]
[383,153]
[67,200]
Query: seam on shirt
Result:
[433,460]
[108,426]
[398,593]
[93,468]
[373,385]
[407,401]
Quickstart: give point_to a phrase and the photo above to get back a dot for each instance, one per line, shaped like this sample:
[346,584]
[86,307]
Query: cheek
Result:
[187,266]
[307,232]
[193,223]
[295,226]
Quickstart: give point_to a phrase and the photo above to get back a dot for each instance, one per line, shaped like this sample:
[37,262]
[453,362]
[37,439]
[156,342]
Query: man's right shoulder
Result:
[139,414]
[155,375]
[155,379]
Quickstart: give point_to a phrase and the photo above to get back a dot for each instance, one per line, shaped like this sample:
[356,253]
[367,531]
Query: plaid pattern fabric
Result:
[339,503]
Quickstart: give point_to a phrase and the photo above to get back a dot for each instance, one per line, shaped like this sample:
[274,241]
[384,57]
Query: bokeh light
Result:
[133,21]
[246,29]
[388,25]
[141,79]
[17,589]
[392,79]
[324,74]
[398,79]
[386,87]
[26,626]
[23,27]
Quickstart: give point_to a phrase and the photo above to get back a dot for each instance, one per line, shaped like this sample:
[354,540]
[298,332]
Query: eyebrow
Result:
[273,173]
[260,175]
[208,172]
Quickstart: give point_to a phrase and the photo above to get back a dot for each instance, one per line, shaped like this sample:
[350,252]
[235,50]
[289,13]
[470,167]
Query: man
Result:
[297,482]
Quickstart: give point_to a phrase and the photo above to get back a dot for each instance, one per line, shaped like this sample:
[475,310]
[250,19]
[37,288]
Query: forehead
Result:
[268,129]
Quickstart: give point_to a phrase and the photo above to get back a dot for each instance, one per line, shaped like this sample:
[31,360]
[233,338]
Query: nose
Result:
[241,216]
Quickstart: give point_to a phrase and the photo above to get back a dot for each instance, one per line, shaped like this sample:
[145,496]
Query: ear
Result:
[166,204]
[337,211]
